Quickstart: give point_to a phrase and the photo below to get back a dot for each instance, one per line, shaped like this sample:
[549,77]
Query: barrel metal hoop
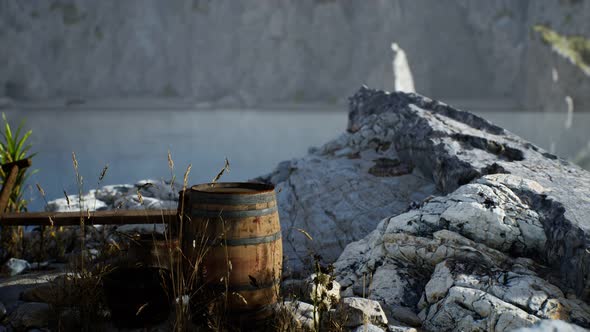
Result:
[201,198]
[248,241]
[233,214]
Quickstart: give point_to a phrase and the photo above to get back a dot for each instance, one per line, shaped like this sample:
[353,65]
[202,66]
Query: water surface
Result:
[134,142]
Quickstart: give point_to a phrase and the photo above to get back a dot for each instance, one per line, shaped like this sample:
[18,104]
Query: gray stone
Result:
[395,328]
[161,190]
[296,315]
[404,315]
[475,257]
[30,315]
[145,194]
[368,328]
[356,311]
[109,194]
[72,203]
[552,326]
[16,266]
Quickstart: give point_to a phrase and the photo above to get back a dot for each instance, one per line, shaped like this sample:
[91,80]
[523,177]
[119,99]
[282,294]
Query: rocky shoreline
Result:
[447,221]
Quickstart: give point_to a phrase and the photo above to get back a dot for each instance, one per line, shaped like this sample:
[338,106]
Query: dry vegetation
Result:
[78,298]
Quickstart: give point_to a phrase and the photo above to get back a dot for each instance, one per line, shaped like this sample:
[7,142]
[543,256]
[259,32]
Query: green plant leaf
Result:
[22,141]
[13,148]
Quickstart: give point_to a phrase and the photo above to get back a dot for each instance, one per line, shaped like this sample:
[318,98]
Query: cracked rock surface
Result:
[503,243]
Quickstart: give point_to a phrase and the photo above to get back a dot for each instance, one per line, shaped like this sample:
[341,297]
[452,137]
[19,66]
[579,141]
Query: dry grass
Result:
[79,301]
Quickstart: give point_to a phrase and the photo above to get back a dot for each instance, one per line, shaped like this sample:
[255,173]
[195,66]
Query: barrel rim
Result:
[257,187]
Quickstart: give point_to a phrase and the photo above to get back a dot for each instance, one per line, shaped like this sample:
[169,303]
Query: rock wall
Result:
[267,51]
[549,77]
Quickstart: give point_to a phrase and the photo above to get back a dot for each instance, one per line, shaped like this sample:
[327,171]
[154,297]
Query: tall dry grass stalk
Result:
[184,270]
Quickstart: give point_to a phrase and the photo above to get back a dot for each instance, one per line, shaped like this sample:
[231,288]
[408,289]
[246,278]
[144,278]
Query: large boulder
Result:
[506,242]
[399,149]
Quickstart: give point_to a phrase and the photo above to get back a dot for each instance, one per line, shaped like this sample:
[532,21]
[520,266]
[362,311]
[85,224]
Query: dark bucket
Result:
[138,297]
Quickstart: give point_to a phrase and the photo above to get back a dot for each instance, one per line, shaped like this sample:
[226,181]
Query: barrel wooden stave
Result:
[243,235]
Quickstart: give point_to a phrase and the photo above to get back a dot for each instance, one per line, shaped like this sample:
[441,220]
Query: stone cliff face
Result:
[288,51]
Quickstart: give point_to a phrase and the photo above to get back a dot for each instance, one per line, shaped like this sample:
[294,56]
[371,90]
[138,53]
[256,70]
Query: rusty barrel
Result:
[239,225]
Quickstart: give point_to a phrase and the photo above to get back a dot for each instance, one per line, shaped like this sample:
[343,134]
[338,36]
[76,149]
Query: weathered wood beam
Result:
[120,217]
[12,170]
[7,187]
[23,163]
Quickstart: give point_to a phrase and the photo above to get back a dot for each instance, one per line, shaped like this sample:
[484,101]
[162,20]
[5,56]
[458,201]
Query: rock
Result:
[109,194]
[161,190]
[332,196]
[499,55]
[134,202]
[322,290]
[355,311]
[551,326]
[16,266]
[368,328]
[296,315]
[554,52]
[404,315]
[88,202]
[478,254]
[30,315]
[395,328]
[59,291]
[2,311]
[155,195]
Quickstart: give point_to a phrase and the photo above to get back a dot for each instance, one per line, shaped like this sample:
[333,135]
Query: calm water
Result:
[134,141]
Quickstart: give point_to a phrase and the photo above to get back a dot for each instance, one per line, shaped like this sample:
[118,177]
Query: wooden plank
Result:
[23,163]
[7,187]
[120,217]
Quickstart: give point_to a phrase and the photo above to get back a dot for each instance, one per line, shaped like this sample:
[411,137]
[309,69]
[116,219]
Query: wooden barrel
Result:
[153,250]
[239,225]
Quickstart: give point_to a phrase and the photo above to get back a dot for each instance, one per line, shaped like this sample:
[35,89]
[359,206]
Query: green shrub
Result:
[13,147]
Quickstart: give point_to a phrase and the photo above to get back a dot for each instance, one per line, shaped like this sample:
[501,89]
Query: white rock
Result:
[368,328]
[322,291]
[16,266]
[109,194]
[73,203]
[299,314]
[395,328]
[159,189]
[357,311]
[552,326]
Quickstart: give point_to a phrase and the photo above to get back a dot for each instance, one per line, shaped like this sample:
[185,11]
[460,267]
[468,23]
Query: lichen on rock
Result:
[574,48]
